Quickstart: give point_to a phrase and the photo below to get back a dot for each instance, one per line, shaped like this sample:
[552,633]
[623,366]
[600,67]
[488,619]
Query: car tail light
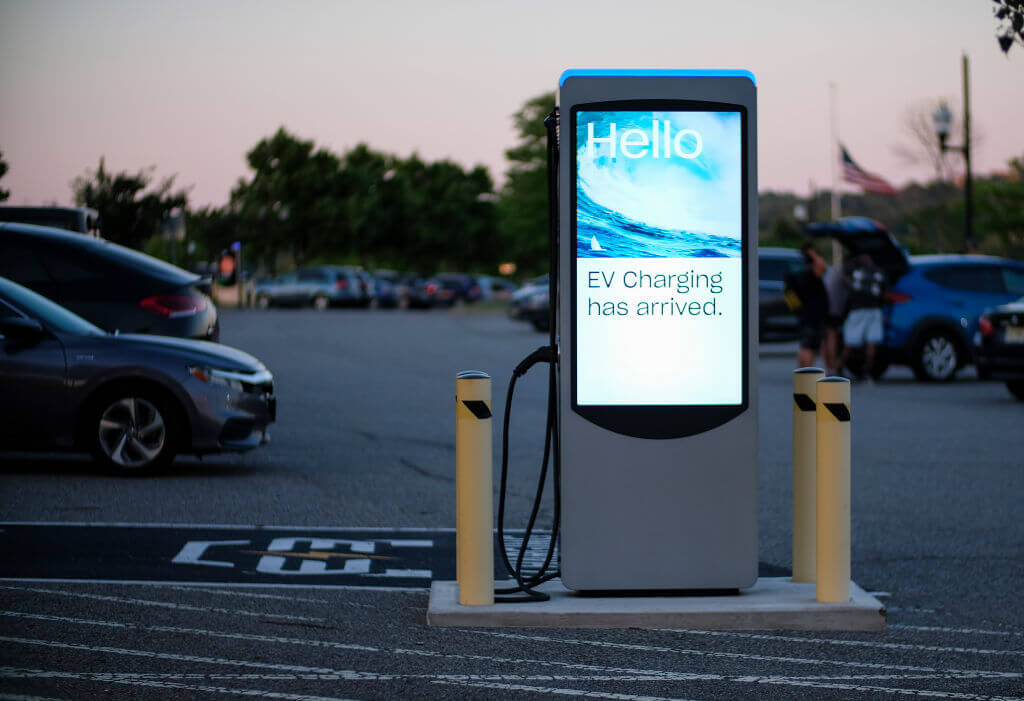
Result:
[431,288]
[897,297]
[173,306]
[985,326]
[341,283]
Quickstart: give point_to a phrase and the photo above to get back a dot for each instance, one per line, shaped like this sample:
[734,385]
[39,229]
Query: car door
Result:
[968,289]
[33,392]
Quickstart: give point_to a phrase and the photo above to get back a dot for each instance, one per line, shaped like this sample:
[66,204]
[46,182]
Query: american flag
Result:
[853,173]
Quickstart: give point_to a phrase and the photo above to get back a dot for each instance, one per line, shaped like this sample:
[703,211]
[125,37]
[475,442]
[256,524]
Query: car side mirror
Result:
[18,328]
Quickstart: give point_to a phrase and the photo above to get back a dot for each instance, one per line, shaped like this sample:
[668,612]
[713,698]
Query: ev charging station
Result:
[657,324]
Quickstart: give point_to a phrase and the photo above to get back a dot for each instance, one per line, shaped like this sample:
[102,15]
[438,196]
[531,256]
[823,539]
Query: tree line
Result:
[302,204]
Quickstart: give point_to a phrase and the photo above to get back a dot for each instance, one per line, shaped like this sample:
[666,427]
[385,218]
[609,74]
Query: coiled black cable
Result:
[552,455]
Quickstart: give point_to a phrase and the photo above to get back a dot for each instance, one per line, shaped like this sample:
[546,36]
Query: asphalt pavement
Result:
[365,441]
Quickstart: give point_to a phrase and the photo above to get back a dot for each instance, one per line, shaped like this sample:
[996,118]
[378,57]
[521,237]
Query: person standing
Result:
[806,295]
[863,326]
[837,287]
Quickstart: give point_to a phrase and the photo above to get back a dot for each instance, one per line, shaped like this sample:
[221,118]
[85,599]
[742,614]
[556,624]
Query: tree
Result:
[523,203]
[923,146]
[1000,209]
[1010,14]
[4,194]
[128,213]
[291,201]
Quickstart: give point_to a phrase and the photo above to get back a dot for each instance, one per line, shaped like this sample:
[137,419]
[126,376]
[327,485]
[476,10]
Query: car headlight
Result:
[258,382]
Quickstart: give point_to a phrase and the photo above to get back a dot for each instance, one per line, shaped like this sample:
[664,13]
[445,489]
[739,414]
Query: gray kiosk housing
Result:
[658,497]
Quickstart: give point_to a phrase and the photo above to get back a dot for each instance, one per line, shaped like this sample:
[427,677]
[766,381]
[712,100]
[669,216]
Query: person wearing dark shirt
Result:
[807,296]
[863,326]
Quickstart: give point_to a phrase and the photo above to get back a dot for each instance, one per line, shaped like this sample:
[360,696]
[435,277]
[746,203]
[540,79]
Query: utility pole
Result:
[971,244]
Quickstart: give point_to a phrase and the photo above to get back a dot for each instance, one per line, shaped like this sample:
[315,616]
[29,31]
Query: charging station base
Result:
[773,603]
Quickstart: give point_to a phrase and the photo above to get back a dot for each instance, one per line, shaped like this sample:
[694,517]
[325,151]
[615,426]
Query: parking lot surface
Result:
[365,440]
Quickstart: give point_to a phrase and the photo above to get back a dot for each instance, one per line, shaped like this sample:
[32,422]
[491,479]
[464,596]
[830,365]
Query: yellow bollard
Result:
[833,513]
[805,473]
[474,513]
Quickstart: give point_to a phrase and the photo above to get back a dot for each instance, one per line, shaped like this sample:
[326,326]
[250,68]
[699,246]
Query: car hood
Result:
[198,352]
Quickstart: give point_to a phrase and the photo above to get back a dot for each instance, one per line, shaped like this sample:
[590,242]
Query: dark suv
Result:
[114,287]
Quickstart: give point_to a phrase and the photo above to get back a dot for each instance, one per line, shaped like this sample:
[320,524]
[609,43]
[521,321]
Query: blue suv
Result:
[934,302]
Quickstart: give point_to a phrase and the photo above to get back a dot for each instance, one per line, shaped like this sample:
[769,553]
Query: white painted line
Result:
[197,659]
[253,595]
[738,655]
[23,697]
[970,631]
[14,673]
[558,692]
[879,594]
[228,526]
[240,585]
[784,681]
[653,675]
[164,604]
[848,643]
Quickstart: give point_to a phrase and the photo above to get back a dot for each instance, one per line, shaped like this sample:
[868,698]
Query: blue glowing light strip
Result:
[657,73]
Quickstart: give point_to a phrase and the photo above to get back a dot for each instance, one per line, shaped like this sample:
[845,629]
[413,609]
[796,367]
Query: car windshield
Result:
[53,316]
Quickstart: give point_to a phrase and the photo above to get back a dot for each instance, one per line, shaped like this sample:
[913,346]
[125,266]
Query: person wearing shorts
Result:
[863,327]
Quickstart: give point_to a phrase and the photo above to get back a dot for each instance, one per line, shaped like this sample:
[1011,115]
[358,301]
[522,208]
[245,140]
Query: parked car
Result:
[999,346]
[115,288]
[776,320]
[319,287]
[533,306]
[80,219]
[133,401]
[496,288]
[934,302]
[389,292]
[457,287]
[419,293]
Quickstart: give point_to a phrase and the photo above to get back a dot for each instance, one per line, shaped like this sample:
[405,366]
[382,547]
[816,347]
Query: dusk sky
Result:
[189,87]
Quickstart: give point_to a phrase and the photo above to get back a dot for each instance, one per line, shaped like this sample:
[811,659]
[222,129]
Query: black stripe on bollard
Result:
[479,409]
[803,402]
[840,411]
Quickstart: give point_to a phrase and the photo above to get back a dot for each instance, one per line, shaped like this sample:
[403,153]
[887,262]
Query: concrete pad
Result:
[773,603]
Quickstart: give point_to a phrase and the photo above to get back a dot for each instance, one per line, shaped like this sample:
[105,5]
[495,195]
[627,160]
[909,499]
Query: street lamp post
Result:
[943,120]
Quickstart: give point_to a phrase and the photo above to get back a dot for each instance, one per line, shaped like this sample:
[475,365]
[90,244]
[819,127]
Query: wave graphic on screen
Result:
[619,236]
[641,205]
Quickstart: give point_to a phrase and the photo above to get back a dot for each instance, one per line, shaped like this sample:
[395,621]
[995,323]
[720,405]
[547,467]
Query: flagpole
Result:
[837,250]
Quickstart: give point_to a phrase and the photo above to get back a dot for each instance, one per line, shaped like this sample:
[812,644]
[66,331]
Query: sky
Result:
[189,87]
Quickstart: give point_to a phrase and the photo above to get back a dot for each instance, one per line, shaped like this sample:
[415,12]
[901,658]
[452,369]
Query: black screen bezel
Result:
[662,421]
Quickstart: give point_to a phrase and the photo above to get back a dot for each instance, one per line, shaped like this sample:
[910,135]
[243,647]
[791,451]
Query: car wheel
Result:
[1016,388]
[263,301]
[320,303]
[133,431]
[937,357]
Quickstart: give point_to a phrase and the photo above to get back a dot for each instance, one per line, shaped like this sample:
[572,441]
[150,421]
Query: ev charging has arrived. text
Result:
[659,331]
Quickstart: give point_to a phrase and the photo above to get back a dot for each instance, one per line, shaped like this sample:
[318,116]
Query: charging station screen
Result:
[659,274]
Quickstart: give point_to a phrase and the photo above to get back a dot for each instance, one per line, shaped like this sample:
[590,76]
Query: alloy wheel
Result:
[938,356]
[132,432]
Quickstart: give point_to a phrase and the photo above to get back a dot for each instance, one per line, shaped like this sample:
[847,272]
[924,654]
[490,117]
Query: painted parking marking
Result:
[181,554]
[849,643]
[944,629]
[328,644]
[15,673]
[161,604]
[739,655]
